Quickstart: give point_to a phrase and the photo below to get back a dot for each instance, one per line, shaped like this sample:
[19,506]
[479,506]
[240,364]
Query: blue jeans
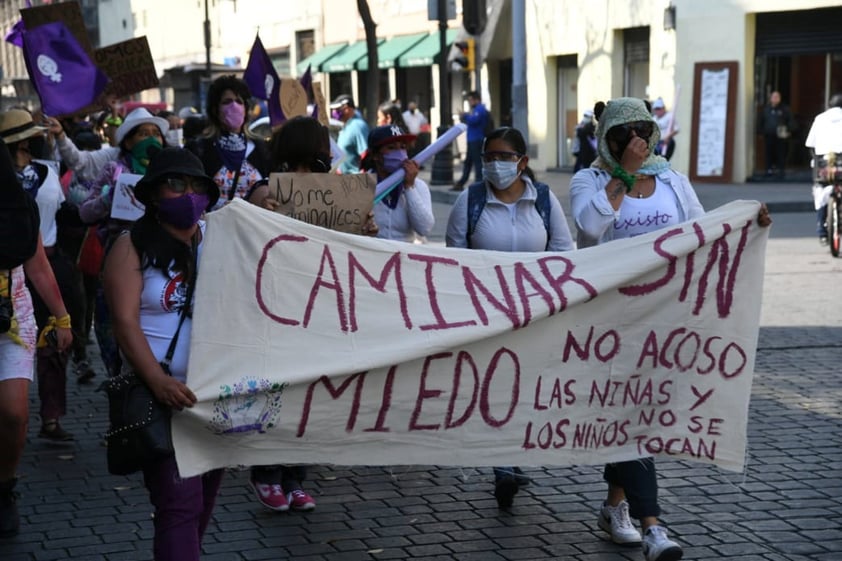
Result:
[472,158]
[183,509]
[639,480]
[821,221]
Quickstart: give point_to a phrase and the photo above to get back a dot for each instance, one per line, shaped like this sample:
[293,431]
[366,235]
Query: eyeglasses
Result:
[181,184]
[501,156]
[231,100]
[621,133]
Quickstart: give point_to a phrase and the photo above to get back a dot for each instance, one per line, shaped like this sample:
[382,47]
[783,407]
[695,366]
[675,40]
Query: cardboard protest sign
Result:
[293,98]
[337,202]
[321,104]
[358,351]
[69,13]
[124,205]
[130,66]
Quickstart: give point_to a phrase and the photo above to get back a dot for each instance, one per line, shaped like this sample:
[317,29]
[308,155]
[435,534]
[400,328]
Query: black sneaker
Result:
[505,490]
[51,430]
[9,517]
[84,372]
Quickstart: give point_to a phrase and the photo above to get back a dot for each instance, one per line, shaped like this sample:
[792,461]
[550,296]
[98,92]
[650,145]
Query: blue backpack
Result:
[476,203]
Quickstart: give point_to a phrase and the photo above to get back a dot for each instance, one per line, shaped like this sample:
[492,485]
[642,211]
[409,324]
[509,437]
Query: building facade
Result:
[714,63]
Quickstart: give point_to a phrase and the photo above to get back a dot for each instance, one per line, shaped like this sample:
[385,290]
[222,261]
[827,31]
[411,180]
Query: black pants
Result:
[472,159]
[640,481]
[776,149]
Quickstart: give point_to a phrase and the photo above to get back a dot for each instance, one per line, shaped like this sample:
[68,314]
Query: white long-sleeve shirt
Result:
[595,216]
[87,164]
[509,227]
[413,214]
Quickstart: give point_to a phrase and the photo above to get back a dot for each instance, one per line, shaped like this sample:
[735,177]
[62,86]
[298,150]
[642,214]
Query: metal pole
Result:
[520,112]
[442,172]
[207,43]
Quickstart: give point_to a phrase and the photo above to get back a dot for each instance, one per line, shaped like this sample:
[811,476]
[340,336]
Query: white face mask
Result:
[501,175]
[173,137]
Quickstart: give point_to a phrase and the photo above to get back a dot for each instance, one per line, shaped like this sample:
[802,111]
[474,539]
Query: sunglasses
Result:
[231,100]
[622,133]
[181,184]
[501,156]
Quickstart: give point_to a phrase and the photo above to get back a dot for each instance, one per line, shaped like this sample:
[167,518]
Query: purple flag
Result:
[263,82]
[62,72]
[15,34]
[306,82]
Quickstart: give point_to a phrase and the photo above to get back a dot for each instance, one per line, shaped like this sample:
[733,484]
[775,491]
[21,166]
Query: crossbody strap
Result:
[188,303]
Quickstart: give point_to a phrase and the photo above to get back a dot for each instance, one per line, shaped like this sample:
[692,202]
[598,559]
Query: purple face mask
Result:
[184,211]
[336,114]
[393,160]
[233,115]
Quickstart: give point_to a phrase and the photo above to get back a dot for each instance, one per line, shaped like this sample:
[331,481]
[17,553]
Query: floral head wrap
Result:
[619,112]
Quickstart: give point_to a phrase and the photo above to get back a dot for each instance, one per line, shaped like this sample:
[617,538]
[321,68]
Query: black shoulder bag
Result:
[140,424]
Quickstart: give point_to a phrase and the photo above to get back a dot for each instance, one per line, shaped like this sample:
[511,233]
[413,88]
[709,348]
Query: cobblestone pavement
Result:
[786,506]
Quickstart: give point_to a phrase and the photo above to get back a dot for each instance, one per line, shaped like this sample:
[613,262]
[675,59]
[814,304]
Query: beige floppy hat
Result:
[17,124]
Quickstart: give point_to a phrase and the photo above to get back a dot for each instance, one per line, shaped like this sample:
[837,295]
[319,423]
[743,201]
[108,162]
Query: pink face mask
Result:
[233,115]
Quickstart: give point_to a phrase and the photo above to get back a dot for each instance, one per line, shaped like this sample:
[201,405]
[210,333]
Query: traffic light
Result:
[474,16]
[467,54]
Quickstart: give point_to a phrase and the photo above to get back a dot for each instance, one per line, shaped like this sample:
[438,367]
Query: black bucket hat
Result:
[173,162]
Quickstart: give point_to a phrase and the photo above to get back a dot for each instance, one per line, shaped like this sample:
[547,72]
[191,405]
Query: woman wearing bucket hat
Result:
[407,211]
[626,182]
[235,160]
[146,277]
[139,137]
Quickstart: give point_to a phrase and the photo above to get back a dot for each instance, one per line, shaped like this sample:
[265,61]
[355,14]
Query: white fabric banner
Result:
[312,346]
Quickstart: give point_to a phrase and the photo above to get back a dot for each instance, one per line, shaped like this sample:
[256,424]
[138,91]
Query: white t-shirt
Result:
[161,302]
[663,123]
[414,121]
[825,135]
[49,199]
[641,216]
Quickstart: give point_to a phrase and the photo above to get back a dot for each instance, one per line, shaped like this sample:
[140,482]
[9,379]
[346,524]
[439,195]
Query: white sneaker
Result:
[615,520]
[658,547]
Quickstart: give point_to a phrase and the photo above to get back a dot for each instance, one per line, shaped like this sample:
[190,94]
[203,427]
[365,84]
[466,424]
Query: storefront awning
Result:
[389,50]
[348,58]
[316,59]
[426,51]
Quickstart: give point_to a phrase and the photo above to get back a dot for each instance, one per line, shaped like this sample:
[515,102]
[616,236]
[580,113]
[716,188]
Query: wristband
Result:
[63,322]
[625,177]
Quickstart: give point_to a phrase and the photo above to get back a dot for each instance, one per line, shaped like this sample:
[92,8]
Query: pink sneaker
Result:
[299,500]
[271,495]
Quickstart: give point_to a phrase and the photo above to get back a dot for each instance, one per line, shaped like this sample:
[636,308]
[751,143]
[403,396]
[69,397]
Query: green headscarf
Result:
[619,112]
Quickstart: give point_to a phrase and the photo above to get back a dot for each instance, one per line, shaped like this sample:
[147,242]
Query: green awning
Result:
[347,59]
[389,50]
[317,58]
[426,52]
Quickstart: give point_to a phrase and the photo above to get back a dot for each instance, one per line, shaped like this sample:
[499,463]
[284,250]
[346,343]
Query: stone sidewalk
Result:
[786,506]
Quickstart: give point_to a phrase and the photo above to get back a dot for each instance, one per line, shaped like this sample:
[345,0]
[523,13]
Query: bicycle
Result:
[827,173]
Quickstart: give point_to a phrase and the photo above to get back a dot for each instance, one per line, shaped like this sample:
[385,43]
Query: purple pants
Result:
[183,509]
[52,377]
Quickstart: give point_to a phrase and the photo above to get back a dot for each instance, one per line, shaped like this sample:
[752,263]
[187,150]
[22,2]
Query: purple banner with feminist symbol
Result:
[60,70]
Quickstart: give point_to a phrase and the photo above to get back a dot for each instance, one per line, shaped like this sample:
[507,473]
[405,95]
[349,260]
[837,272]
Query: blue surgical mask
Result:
[501,175]
[392,160]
